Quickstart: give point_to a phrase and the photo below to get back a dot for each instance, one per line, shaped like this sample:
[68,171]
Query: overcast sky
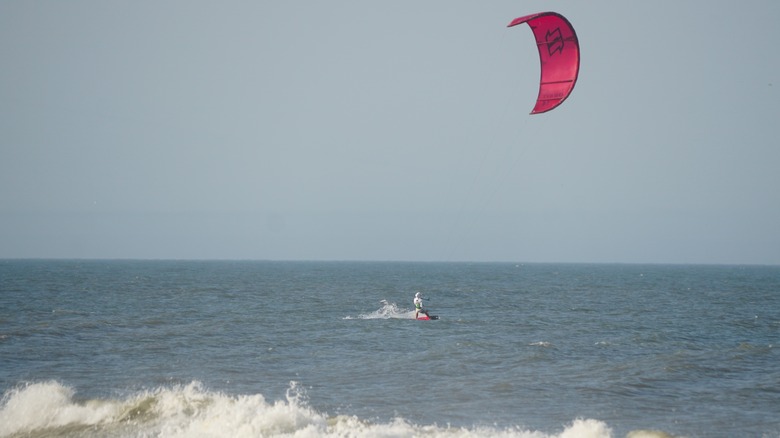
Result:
[388,130]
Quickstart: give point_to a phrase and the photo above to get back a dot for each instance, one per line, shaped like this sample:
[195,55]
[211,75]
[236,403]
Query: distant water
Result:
[310,349]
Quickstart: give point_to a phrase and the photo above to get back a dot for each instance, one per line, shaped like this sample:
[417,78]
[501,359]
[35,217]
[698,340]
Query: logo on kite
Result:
[559,54]
[554,39]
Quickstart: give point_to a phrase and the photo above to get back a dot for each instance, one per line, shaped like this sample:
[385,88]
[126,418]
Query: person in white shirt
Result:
[418,305]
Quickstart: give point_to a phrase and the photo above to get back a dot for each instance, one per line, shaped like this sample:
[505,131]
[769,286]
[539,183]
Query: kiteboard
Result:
[424,317]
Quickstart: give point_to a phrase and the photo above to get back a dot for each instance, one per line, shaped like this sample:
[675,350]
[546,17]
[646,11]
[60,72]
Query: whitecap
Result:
[192,411]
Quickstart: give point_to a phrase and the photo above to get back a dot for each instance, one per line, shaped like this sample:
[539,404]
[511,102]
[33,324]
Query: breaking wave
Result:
[52,409]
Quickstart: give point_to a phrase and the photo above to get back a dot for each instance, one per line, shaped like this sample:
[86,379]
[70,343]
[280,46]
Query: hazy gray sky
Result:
[395,130]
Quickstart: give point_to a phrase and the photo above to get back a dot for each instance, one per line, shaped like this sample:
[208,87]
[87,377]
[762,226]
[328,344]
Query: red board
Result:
[424,317]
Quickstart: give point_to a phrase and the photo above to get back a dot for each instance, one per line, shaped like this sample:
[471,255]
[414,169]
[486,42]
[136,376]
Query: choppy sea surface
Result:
[314,349]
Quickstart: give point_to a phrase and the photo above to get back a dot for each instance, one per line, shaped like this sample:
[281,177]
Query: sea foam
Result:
[388,310]
[51,408]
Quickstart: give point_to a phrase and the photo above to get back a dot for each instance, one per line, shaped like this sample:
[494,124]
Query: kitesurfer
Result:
[418,305]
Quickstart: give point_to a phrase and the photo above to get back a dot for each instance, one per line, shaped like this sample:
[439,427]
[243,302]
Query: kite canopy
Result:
[559,53]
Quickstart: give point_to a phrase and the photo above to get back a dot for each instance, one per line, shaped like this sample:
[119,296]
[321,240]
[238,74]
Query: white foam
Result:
[544,344]
[49,405]
[192,411]
[388,311]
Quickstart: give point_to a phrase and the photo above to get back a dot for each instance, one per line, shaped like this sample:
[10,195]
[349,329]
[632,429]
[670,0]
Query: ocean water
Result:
[314,349]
